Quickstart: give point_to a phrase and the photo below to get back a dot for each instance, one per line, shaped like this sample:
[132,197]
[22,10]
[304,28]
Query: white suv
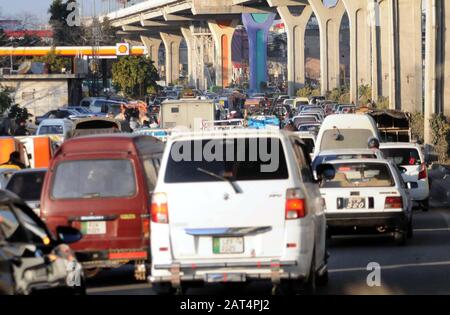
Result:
[411,160]
[223,211]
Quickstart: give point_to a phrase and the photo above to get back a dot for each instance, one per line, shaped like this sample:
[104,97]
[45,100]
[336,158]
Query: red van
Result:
[102,185]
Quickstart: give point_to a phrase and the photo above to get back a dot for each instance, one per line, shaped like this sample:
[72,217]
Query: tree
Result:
[55,63]
[5,99]
[135,76]
[63,33]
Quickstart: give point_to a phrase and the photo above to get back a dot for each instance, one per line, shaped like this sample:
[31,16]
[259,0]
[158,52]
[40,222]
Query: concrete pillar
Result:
[329,24]
[409,56]
[295,29]
[373,20]
[172,43]
[222,32]
[257,26]
[431,83]
[152,44]
[360,65]
[189,38]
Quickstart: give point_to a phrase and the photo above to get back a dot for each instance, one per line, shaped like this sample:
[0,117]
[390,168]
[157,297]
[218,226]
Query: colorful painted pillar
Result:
[222,32]
[257,26]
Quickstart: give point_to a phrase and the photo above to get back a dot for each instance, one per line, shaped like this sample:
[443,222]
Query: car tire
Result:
[400,237]
[425,205]
[410,231]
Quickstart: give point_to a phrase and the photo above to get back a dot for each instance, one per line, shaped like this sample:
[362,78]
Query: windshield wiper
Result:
[236,188]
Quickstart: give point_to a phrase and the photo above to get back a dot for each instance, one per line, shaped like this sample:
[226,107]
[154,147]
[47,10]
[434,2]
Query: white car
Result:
[226,218]
[56,127]
[351,131]
[367,195]
[410,158]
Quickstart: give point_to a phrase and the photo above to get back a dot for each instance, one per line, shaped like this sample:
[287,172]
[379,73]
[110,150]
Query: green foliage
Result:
[365,94]
[134,75]
[55,63]
[383,102]
[63,34]
[5,99]
[417,126]
[308,91]
[18,113]
[440,132]
[340,95]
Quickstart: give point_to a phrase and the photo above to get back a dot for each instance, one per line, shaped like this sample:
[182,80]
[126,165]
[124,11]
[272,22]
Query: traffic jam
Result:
[203,189]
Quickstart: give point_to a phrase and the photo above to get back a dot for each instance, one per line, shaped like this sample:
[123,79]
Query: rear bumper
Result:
[275,271]
[111,258]
[388,219]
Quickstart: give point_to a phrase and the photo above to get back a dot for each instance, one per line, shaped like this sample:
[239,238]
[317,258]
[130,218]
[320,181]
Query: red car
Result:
[102,185]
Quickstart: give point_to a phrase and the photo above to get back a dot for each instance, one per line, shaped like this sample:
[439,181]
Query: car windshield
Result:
[403,157]
[235,159]
[94,179]
[27,186]
[354,175]
[51,130]
[345,139]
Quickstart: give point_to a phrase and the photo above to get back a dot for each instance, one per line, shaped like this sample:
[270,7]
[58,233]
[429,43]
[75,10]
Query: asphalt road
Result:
[421,267]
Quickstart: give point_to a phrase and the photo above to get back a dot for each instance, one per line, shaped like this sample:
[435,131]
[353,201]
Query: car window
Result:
[27,186]
[94,179]
[35,229]
[237,159]
[402,156]
[51,130]
[303,160]
[345,139]
[354,175]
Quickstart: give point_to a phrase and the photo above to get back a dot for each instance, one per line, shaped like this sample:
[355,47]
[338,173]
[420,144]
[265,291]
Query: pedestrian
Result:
[21,130]
[14,160]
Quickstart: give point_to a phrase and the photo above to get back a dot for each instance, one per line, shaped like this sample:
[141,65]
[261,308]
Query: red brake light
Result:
[295,206]
[393,203]
[146,227]
[159,208]
[423,171]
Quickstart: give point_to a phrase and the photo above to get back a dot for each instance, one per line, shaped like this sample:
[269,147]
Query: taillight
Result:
[159,209]
[393,203]
[146,227]
[295,205]
[423,171]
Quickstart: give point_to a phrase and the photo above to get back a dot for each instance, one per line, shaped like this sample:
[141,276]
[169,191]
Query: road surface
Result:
[421,267]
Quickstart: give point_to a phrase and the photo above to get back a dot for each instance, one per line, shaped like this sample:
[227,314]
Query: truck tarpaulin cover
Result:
[391,119]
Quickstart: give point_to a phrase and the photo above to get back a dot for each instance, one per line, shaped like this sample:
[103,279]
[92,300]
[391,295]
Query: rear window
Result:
[27,186]
[345,139]
[94,179]
[404,157]
[321,159]
[234,159]
[354,175]
[51,130]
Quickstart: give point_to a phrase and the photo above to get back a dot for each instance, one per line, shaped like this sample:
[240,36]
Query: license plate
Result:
[93,228]
[228,245]
[225,277]
[355,203]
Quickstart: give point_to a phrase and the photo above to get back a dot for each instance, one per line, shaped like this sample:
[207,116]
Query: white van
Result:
[56,127]
[351,131]
[186,113]
[234,218]
[101,105]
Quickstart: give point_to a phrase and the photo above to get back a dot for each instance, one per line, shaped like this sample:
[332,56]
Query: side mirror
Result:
[325,172]
[68,235]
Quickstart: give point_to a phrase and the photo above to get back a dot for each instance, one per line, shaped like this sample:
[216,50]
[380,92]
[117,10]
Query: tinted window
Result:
[309,145]
[402,156]
[353,175]
[345,139]
[94,179]
[27,186]
[51,130]
[321,159]
[234,159]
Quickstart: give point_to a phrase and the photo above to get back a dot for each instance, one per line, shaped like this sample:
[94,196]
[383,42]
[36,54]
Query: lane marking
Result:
[119,288]
[389,267]
[432,230]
